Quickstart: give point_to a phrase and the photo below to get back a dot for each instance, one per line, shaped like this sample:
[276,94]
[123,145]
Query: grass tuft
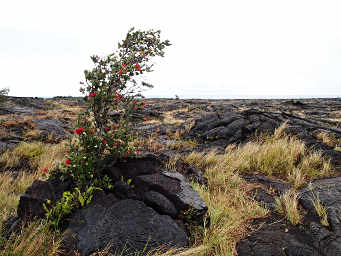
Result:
[288,204]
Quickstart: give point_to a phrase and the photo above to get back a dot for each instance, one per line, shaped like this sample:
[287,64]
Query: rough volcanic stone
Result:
[191,173]
[160,203]
[126,225]
[147,164]
[277,238]
[267,200]
[49,126]
[32,201]
[7,145]
[174,187]
[328,192]
[224,127]
[123,191]
[308,238]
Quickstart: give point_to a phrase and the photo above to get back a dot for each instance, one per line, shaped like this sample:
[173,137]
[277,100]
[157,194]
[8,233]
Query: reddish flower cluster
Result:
[79,131]
[93,94]
[138,67]
[67,162]
[124,66]
[44,170]
[117,96]
[106,129]
[104,141]
[121,72]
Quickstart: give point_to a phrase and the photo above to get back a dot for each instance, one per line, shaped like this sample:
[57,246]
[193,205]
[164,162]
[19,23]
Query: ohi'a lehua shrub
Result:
[110,86]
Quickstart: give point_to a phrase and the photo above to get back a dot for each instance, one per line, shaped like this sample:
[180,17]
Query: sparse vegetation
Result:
[287,204]
[227,194]
[328,139]
[32,156]
[32,134]
[3,94]
[321,212]
[284,157]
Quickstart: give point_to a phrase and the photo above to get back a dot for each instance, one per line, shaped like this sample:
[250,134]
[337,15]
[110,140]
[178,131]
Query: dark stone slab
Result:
[174,187]
[147,164]
[160,203]
[264,198]
[328,192]
[127,225]
[51,127]
[31,203]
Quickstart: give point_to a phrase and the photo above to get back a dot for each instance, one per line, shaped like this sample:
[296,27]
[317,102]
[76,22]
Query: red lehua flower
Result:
[93,94]
[86,119]
[124,65]
[44,170]
[67,162]
[104,141]
[134,101]
[106,129]
[79,130]
[138,67]
[128,151]
[117,96]
[145,119]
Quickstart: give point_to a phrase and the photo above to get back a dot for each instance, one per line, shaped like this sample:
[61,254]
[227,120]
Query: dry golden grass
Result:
[230,209]
[24,151]
[288,204]
[25,122]
[284,157]
[150,144]
[10,190]
[54,153]
[32,134]
[36,154]
[168,117]
[321,212]
[34,240]
[326,138]
[181,145]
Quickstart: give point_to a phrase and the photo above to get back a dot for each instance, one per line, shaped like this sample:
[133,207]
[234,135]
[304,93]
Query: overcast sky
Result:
[220,49]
